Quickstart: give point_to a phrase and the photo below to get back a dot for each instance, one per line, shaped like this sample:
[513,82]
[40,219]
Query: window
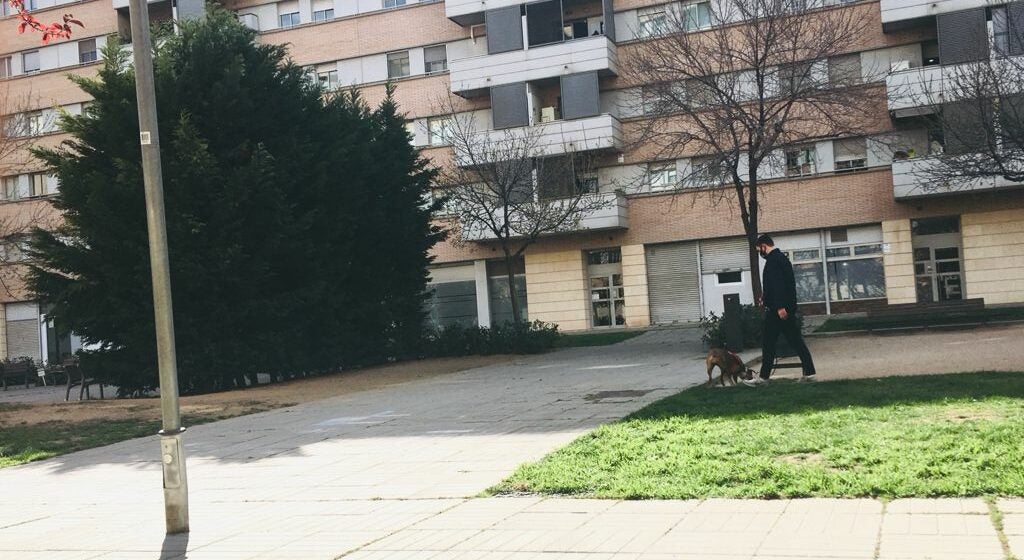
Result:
[37,184]
[439,131]
[850,154]
[652,102]
[661,176]
[328,80]
[288,20]
[10,186]
[697,16]
[5,64]
[35,124]
[398,64]
[706,172]
[393,3]
[87,51]
[607,256]
[856,279]
[323,15]
[794,78]
[30,61]
[730,277]
[800,161]
[699,94]
[651,22]
[12,249]
[435,59]
[1000,32]
[933,226]
[844,70]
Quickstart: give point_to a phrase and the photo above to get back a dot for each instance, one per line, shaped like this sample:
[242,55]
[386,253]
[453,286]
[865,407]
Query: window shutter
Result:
[963,36]
[580,96]
[508,106]
[504,29]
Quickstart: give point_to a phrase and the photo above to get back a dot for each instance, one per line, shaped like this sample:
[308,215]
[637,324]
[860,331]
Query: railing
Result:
[609,211]
[595,53]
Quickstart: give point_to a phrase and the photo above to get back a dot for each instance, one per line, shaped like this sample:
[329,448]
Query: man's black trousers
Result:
[773,327]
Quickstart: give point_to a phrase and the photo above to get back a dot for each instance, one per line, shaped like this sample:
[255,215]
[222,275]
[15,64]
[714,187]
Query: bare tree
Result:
[737,83]
[18,130]
[511,187]
[974,109]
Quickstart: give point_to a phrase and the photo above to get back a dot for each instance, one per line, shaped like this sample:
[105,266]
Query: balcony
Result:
[613,213]
[915,91]
[472,76]
[909,178]
[900,14]
[601,132]
[470,12]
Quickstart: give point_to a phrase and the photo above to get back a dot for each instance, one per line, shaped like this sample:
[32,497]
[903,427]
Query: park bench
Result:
[919,313]
[77,377]
[14,369]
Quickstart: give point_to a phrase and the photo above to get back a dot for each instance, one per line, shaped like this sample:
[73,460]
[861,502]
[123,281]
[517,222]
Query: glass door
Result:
[607,301]
[937,274]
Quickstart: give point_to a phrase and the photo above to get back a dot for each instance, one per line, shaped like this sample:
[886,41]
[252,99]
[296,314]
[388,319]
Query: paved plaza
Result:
[391,474]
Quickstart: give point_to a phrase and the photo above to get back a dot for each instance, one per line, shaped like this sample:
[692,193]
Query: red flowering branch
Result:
[55,30]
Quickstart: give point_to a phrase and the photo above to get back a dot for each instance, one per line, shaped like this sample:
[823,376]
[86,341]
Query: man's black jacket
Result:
[778,283]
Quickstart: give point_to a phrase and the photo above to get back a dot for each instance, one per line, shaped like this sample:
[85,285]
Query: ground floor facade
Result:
[848,254]
[27,332]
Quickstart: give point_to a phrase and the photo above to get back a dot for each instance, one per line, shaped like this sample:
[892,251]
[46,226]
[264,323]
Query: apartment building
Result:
[848,211]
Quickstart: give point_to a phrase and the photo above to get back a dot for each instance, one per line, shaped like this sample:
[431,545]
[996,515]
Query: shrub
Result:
[506,338]
[751,319]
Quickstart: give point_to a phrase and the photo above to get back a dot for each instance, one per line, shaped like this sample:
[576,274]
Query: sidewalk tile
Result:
[1010,505]
[938,506]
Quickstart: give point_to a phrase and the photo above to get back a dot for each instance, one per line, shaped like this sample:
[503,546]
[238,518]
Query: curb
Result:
[893,330]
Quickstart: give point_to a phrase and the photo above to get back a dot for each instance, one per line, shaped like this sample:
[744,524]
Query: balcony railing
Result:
[475,74]
[895,12]
[915,91]
[610,211]
[911,180]
[599,132]
[465,10]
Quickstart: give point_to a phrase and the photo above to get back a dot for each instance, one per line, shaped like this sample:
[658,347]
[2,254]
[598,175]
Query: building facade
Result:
[848,211]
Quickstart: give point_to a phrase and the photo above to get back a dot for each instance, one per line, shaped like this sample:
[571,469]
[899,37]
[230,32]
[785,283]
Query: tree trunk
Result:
[750,225]
[510,274]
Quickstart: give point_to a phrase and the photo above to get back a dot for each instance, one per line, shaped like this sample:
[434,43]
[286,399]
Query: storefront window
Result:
[856,279]
[453,303]
[810,282]
[501,299]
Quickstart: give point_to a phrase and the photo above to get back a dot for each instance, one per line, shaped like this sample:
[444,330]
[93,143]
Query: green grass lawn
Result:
[940,435]
[25,443]
[596,339]
[837,324]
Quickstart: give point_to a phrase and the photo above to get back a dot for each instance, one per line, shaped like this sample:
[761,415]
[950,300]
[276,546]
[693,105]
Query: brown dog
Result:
[729,366]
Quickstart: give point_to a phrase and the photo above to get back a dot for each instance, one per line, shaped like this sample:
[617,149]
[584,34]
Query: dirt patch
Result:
[236,403]
[804,459]
[960,415]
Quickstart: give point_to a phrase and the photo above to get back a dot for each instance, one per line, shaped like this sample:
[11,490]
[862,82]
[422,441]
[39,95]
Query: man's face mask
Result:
[762,250]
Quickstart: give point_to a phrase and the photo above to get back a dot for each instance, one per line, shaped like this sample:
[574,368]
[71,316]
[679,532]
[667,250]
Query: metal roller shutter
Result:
[23,330]
[673,282]
[717,255]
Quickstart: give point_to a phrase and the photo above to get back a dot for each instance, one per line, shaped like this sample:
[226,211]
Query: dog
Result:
[729,365]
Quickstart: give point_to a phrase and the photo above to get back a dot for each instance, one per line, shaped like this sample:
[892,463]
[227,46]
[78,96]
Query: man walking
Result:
[779,289]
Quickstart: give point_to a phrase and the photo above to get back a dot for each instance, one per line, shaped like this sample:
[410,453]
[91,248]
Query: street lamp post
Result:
[172,452]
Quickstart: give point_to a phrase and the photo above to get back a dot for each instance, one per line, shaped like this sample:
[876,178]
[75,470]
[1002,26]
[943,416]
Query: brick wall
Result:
[556,289]
[993,244]
[899,262]
[634,285]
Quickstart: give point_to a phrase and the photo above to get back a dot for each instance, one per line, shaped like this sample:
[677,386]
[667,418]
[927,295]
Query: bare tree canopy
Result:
[511,187]
[19,125]
[736,83]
